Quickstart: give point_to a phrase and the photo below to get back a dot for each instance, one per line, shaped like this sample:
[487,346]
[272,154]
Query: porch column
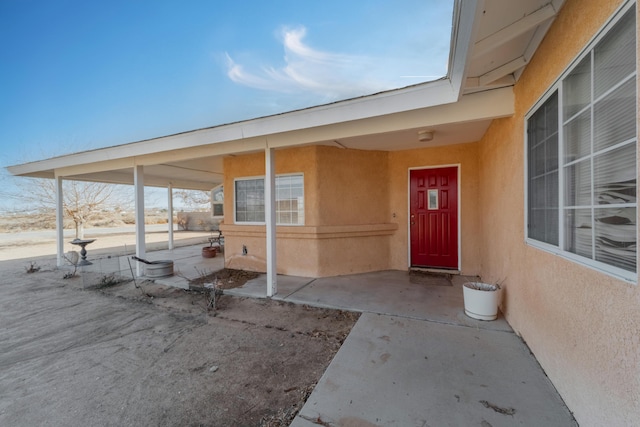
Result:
[170,209]
[270,220]
[138,183]
[59,222]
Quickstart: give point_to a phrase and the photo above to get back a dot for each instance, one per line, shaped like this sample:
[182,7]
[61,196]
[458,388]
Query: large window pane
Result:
[217,200]
[250,200]
[250,204]
[599,157]
[289,191]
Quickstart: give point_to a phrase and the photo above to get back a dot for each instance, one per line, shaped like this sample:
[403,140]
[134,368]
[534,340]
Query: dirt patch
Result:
[112,355]
[227,278]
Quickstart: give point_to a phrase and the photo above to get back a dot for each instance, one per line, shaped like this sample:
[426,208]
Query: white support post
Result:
[270,220]
[170,209]
[138,183]
[59,222]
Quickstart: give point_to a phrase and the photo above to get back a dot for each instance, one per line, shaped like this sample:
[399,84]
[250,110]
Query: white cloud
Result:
[330,75]
[237,73]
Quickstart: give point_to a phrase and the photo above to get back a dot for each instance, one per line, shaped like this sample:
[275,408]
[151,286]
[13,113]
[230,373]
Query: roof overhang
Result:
[458,108]
[193,160]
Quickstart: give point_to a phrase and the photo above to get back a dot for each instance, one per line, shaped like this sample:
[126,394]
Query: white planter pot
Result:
[481,300]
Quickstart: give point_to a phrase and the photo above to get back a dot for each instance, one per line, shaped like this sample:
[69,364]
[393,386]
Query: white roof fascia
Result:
[430,94]
[467,16]
[487,104]
[426,95]
[415,97]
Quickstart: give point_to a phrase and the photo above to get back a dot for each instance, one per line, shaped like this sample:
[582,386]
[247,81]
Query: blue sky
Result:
[76,75]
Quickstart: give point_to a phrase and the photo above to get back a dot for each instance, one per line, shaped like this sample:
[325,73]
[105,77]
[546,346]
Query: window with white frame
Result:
[249,200]
[581,156]
[217,201]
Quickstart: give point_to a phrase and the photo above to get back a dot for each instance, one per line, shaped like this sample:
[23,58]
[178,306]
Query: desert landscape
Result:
[114,354]
[35,221]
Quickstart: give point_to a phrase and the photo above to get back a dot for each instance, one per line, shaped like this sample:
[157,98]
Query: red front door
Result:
[433,217]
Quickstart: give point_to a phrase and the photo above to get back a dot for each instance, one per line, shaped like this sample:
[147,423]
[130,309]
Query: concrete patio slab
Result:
[257,288]
[394,371]
[383,292]
[188,263]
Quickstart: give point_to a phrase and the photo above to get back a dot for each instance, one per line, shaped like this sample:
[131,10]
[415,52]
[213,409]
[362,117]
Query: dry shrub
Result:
[155,219]
[107,222]
[129,219]
[31,222]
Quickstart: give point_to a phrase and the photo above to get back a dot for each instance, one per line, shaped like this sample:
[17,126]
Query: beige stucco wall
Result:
[582,325]
[353,186]
[355,210]
[346,213]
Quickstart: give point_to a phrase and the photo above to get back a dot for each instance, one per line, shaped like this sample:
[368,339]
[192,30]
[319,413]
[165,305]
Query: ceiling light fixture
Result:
[425,135]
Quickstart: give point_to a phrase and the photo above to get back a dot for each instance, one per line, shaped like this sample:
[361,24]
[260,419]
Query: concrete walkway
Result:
[394,371]
[413,358]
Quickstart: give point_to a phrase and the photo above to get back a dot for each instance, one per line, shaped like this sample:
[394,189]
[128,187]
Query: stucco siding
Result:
[356,210]
[581,324]
[347,228]
[352,186]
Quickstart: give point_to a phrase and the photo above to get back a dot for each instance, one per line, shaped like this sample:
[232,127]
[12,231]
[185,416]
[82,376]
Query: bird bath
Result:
[83,252]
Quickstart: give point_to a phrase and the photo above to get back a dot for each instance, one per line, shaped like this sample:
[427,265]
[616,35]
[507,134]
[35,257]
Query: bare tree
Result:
[195,199]
[81,200]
